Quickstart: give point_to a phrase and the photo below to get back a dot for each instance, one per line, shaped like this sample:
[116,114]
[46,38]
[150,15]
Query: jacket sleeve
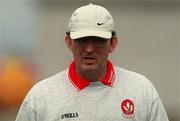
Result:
[157,112]
[26,112]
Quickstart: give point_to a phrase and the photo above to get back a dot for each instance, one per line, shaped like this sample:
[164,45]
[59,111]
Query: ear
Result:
[113,42]
[68,41]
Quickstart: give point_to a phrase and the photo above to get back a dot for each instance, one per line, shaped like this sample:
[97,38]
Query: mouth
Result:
[89,60]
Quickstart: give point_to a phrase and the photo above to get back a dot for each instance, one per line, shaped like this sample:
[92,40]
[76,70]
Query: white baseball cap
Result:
[91,20]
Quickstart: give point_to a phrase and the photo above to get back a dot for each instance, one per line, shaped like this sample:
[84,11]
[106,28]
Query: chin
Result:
[89,67]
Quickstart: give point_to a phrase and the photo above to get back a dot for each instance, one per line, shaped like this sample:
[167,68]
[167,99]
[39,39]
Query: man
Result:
[92,89]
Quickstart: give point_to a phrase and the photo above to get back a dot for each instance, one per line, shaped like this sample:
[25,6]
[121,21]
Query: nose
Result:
[89,48]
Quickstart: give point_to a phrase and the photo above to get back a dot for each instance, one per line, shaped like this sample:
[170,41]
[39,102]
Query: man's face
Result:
[90,53]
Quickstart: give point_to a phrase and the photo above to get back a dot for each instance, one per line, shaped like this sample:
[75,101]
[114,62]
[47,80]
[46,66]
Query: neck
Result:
[93,76]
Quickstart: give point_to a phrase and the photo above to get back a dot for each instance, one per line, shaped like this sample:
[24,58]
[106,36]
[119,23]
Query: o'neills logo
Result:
[127,107]
[69,115]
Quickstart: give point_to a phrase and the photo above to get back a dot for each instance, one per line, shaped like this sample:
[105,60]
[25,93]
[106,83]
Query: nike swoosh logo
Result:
[99,24]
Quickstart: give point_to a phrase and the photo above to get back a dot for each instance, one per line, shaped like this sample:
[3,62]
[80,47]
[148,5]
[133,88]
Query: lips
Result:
[89,59]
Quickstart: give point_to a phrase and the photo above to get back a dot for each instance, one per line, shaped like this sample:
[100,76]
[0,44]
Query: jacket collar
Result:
[80,83]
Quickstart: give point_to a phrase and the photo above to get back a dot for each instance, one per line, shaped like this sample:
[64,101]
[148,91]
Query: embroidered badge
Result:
[127,107]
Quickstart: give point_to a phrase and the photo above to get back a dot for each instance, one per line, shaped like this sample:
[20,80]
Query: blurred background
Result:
[32,45]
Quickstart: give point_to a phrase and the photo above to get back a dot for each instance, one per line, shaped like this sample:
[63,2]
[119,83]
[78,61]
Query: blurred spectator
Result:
[16,78]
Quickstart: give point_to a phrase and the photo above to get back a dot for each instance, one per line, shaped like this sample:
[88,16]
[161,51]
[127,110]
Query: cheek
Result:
[103,54]
[76,53]
[109,47]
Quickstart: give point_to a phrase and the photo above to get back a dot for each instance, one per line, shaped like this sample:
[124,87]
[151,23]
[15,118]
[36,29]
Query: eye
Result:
[99,40]
[81,40]
[96,41]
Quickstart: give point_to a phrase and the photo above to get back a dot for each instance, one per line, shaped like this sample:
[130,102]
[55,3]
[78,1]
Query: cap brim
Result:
[85,33]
